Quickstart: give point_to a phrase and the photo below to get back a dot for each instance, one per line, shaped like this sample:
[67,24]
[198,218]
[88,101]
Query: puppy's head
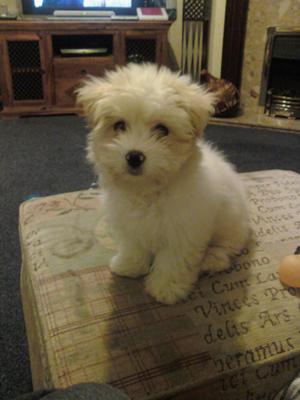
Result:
[145,122]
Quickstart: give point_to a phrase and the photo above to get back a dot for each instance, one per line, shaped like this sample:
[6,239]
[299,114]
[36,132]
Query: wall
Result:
[216,35]
[260,16]
[175,33]
[13,5]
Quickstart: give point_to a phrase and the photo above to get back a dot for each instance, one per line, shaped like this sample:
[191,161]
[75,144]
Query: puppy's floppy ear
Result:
[90,95]
[198,103]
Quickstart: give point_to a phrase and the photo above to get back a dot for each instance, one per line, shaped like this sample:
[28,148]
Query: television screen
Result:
[59,4]
[48,6]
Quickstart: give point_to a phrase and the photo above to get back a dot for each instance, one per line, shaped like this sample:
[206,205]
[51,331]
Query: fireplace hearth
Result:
[280,86]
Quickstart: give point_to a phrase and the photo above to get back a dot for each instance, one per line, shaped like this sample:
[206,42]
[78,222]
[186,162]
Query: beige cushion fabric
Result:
[235,337]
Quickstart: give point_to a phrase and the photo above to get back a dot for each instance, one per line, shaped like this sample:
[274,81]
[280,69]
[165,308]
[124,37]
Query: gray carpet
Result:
[46,156]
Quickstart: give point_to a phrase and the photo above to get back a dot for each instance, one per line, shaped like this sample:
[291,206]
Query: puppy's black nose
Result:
[135,158]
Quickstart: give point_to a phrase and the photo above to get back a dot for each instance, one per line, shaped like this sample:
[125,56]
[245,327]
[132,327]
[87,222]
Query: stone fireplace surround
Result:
[261,16]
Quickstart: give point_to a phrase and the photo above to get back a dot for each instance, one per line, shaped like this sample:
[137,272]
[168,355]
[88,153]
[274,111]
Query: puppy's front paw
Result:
[126,267]
[165,291]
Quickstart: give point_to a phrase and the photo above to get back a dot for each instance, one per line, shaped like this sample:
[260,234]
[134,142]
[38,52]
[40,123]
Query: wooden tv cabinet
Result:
[38,75]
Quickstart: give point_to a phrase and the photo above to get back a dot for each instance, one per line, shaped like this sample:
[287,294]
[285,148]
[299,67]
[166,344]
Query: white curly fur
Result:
[184,210]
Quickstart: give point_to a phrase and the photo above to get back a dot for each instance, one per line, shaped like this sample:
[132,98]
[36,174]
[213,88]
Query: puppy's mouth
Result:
[135,171]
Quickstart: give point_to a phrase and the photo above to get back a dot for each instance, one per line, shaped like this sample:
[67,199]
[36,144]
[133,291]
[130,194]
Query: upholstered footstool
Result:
[237,336]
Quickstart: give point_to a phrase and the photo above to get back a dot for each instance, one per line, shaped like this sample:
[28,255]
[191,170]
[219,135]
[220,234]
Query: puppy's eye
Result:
[161,129]
[120,126]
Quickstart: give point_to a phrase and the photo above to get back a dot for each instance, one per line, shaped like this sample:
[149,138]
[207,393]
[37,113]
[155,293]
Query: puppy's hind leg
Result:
[225,246]
[217,258]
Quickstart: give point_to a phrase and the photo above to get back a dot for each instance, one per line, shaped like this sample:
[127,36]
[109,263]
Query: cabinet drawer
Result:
[67,78]
[65,92]
[79,70]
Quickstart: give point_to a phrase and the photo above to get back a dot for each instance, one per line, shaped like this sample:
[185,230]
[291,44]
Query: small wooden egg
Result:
[289,270]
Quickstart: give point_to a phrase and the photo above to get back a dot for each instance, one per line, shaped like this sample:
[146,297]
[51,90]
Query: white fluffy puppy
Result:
[175,206]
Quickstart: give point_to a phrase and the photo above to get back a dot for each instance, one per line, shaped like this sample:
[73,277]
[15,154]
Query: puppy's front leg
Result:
[131,261]
[172,275]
